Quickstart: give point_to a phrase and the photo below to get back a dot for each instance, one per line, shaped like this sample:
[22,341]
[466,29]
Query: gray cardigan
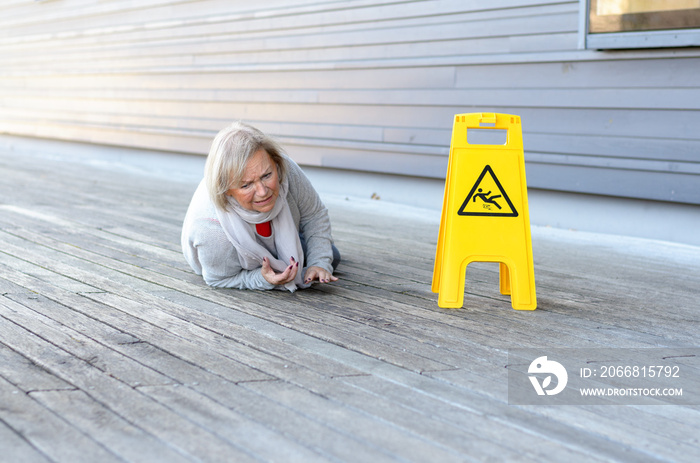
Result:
[212,255]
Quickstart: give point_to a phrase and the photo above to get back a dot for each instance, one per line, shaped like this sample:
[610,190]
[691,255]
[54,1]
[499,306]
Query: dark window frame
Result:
[676,28]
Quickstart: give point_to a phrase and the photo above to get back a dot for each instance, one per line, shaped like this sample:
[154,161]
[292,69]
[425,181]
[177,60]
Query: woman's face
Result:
[259,187]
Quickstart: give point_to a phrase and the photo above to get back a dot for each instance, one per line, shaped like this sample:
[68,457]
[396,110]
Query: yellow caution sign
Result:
[485,215]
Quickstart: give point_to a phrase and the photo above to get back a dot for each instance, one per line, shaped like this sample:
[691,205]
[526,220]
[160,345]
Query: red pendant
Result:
[264,229]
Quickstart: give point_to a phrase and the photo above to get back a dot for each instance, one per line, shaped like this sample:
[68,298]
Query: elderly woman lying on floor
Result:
[255,221]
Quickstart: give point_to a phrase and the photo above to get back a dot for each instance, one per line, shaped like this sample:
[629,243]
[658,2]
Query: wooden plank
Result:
[373,78]
[6,285]
[666,98]
[609,147]
[538,118]
[232,426]
[481,442]
[16,447]
[655,446]
[577,441]
[146,255]
[587,301]
[590,301]
[363,344]
[176,371]
[82,347]
[614,182]
[179,365]
[101,15]
[47,435]
[479,333]
[125,440]
[77,269]
[395,441]
[265,335]
[225,338]
[12,265]
[287,317]
[131,404]
[487,35]
[301,424]
[336,17]
[581,316]
[657,73]
[646,165]
[25,375]
[189,351]
[573,437]
[41,13]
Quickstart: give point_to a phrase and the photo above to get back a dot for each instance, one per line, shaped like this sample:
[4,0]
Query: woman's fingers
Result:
[319,274]
[288,275]
[268,273]
[292,269]
[311,274]
[282,278]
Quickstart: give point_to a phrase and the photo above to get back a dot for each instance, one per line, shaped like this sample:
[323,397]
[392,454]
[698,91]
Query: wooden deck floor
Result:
[111,350]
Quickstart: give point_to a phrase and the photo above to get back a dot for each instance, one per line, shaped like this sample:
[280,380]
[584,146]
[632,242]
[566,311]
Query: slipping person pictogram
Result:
[487,204]
[486,198]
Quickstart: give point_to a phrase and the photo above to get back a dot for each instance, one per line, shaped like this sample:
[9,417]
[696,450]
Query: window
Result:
[640,23]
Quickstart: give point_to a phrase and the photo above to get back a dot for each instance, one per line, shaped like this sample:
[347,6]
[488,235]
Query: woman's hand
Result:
[317,273]
[279,278]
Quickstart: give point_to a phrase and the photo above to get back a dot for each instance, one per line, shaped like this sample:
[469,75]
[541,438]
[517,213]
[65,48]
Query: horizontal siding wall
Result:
[362,85]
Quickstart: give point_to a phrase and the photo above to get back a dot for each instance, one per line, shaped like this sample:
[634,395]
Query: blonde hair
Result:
[228,156]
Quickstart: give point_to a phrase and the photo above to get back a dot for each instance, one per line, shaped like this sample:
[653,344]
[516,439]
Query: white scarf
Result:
[236,222]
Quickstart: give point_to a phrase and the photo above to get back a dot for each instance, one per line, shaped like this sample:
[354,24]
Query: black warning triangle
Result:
[491,203]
